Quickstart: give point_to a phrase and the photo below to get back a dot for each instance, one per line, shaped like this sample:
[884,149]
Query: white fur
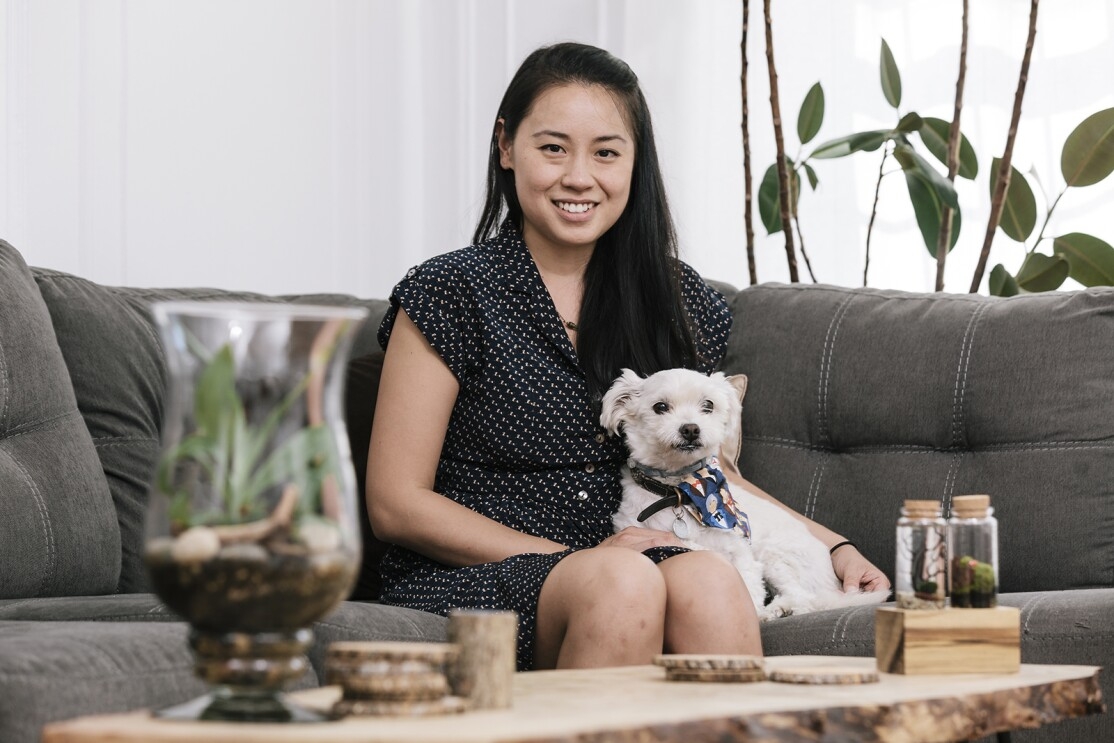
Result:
[783,554]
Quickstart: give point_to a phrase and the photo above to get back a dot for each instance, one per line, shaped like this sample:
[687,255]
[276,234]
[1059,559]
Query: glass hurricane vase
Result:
[252,530]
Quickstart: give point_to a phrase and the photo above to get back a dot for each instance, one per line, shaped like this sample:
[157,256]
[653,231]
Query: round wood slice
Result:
[742,675]
[824,675]
[356,651]
[376,707]
[709,662]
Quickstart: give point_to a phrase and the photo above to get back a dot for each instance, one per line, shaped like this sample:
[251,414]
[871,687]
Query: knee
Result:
[621,578]
[702,572]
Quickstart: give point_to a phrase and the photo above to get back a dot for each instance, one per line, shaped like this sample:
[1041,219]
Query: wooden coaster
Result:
[711,668]
[707,675]
[824,675]
[376,707]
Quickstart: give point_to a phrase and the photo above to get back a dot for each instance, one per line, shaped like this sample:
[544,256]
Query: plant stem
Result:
[1047,219]
[748,195]
[804,253]
[998,202]
[874,209]
[945,241]
[779,141]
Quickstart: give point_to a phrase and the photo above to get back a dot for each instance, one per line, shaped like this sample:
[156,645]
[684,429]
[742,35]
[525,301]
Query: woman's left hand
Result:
[856,572]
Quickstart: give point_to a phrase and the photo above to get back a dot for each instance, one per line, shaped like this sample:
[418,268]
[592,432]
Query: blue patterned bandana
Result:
[709,499]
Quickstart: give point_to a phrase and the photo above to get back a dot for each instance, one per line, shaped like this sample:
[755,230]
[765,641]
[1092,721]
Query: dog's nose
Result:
[690,431]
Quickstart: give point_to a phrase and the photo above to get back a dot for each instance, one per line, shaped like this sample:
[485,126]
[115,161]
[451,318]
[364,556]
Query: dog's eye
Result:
[707,406]
[661,408]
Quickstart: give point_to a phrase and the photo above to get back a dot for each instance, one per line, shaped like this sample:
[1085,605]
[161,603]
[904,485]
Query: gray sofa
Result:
[858,400]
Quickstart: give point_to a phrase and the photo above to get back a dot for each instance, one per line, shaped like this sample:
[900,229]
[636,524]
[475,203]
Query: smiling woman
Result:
[494,403]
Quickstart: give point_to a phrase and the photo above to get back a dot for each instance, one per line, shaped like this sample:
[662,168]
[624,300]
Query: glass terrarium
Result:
[252,522]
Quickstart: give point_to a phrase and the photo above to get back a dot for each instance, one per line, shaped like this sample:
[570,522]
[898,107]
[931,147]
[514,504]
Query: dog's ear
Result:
[615,400]
[733,443]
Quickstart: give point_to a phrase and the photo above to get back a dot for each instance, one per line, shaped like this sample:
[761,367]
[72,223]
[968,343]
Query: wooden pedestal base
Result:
[948,640]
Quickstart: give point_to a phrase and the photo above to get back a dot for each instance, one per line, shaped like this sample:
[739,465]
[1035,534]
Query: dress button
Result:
[600,438]
[582,496]
[411,272]
[589,468]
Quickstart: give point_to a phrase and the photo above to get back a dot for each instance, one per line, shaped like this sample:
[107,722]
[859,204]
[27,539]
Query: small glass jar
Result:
[973,553]
[921,566]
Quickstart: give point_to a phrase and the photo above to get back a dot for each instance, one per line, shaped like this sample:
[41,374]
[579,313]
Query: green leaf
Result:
[843,146]
[1002,284]
[1091,259]
[1019,212]
[769,198]
[1088,154]
[813,181]
[1042,273]
[910,160]
[215,397]
[934,134]
[910,122]
[812,114]
[929,211]
[891,78]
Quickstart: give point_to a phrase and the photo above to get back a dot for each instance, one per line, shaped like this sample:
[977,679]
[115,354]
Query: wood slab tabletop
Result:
[637,704]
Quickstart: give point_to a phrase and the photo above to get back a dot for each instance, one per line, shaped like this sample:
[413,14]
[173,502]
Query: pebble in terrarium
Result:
[921,567]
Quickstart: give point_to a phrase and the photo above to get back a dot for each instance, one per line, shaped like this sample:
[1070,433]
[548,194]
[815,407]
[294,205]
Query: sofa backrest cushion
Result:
[58,532]
[859,399]
[111,345]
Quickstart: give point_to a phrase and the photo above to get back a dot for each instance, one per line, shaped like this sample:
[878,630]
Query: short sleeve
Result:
[711,318]
[437,299]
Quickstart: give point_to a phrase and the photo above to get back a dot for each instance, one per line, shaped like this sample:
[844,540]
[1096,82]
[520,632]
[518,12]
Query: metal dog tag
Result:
[680,527]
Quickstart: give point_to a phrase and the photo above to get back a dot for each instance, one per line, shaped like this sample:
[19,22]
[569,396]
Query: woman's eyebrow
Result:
[565,137]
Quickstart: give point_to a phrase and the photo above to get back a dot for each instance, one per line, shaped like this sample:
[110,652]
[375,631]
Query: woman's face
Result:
[572,158]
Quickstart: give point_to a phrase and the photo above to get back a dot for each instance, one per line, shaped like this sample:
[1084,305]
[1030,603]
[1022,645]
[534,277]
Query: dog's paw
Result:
[773,611]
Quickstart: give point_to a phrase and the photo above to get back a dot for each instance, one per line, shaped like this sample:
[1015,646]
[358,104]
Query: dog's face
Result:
[675,417]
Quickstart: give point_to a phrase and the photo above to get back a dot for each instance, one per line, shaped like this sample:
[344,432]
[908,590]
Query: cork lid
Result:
[970,506]
[922,509]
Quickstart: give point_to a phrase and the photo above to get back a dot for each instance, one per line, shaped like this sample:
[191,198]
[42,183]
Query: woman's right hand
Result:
[640,539]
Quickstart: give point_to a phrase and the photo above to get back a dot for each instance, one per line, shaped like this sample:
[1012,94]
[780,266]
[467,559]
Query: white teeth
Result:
[567,206]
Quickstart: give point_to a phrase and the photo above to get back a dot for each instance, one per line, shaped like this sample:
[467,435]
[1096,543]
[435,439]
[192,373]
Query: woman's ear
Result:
[504,141]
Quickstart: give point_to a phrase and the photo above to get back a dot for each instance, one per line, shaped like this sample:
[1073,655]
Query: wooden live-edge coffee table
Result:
[638,704]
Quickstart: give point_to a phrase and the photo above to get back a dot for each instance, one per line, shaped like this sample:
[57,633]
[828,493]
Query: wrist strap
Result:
[844,543]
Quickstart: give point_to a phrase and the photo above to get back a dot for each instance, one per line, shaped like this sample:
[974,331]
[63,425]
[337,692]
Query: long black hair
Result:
[632,314]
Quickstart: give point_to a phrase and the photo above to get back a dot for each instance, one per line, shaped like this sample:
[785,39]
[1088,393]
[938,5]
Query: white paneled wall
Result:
[311,145]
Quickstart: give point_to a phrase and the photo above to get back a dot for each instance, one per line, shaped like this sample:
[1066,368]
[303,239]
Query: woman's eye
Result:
[552,148]
[661,408]
[607,154]
[707,406]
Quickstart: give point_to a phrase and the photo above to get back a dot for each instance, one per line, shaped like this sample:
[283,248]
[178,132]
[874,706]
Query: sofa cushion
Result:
[58,533]
[860,399]
[111,345]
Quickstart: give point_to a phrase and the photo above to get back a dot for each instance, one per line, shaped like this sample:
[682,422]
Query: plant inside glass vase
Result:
[255,549]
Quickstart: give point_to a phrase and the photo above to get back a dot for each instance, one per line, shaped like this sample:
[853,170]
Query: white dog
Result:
[676,422]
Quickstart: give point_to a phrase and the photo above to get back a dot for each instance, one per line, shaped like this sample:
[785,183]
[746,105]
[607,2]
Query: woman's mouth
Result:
[573,207]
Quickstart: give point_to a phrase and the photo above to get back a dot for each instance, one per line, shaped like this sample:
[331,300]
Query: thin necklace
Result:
[568,323]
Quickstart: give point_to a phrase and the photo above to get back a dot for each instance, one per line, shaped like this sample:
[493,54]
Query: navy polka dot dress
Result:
[524,445]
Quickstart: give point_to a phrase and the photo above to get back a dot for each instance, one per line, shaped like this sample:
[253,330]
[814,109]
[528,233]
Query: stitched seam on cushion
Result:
[950,481]
[961,375]
[1029,608]
[4,387]
[1020,446]
[48,530]
[814,492]
[825,368]
[100,444]
[122,672]
[41,424]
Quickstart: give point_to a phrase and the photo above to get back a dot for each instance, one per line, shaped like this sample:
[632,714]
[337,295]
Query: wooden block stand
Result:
[948,640]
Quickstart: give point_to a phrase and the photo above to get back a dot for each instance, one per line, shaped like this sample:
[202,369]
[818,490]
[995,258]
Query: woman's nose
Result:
[578,173]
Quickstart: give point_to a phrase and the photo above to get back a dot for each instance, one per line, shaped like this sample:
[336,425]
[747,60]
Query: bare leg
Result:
[708,609]
[600,607]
